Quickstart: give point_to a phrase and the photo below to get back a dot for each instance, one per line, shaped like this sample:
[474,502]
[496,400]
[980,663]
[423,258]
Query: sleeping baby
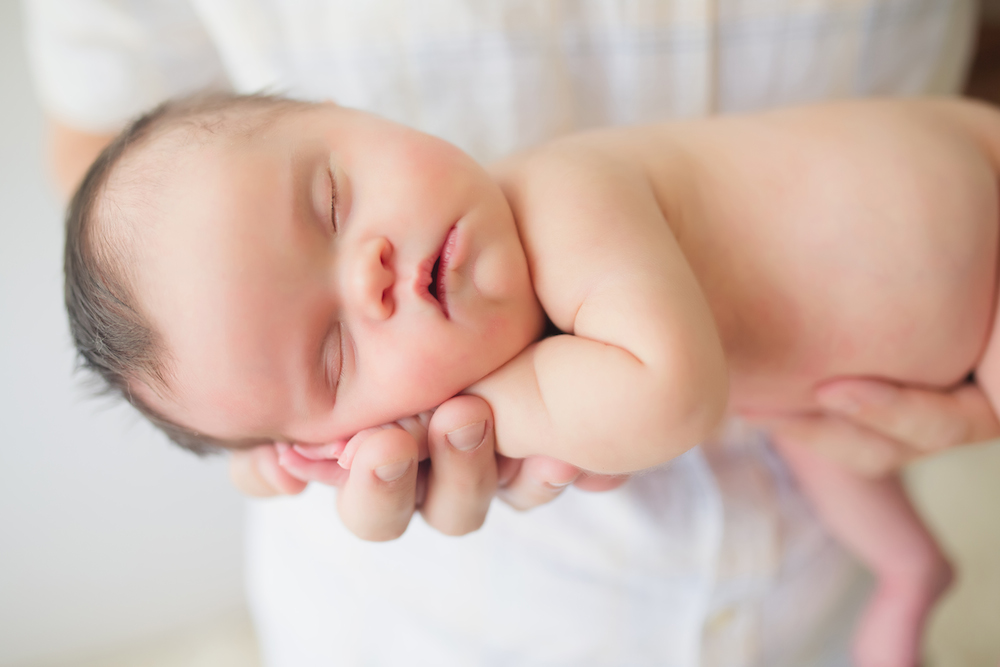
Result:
[256,270]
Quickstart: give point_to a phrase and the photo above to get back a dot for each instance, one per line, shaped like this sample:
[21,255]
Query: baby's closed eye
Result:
[334,221]
[333,357]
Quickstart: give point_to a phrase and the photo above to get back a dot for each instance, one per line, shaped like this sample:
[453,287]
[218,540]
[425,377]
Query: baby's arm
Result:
[874,520]
[640,375]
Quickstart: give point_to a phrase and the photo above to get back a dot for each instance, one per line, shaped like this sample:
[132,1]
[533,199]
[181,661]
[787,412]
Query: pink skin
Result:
[875,520]
[289,275]
[328,463]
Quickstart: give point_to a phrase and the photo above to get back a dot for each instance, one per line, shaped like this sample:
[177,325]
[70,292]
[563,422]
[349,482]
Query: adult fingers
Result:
[538,480]
[507,469]
[462,478]
[378,499]
[417,426]
[924,420]
[592,482]
[862,450]
[256,472]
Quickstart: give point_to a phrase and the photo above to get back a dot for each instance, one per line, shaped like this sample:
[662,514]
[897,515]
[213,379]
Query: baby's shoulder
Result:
[613,170]
[586,211]
[566,166]
[597,183]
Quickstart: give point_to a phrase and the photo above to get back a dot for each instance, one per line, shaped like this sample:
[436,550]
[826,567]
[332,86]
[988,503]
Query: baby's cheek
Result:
[493,277]
[421,381]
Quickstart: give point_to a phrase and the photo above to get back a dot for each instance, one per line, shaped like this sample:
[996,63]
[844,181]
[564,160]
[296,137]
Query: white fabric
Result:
[714,560]
[495,75]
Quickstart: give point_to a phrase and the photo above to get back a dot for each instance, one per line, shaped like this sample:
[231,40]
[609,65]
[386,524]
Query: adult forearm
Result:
[71,153]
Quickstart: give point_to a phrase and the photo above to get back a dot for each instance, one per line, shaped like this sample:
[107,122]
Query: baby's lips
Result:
[327,452]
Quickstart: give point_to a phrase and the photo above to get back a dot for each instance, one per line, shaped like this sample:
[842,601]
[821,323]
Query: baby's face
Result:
[331,273]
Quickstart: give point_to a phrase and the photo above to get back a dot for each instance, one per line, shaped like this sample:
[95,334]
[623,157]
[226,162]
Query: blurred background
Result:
[117,549]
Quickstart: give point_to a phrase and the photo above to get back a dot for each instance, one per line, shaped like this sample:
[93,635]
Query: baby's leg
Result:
[988,370]
[874,520]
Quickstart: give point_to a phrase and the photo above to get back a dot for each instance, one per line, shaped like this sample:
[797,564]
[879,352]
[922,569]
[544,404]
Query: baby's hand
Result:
[385,455]
[377,501]
[328,463]
[416,426]
[313,463]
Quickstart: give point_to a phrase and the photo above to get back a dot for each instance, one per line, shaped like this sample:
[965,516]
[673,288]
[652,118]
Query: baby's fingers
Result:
[256,472]
[307,469]
[378,499]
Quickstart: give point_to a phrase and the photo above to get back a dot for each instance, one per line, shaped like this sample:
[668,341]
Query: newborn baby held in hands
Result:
[251,270]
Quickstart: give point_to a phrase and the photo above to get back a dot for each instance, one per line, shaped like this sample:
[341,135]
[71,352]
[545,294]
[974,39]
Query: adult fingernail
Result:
[468,437]
[390,472]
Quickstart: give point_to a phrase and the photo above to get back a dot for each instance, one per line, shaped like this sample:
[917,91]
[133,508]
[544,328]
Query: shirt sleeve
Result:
[98,63]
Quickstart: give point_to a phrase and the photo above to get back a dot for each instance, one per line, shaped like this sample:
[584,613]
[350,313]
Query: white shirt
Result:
[713,560]
[495,75]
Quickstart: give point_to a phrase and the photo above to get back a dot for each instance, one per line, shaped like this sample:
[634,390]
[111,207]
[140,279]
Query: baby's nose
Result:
[373,279]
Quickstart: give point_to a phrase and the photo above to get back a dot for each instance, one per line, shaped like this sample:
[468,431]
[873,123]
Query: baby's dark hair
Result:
[113,338]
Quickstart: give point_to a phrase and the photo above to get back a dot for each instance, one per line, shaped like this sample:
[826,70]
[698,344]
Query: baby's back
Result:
[844,240]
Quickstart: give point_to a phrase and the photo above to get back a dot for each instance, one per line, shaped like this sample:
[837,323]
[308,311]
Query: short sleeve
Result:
[98,63]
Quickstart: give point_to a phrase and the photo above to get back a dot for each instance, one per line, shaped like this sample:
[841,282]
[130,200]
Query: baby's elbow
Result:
[693,397]
[702,406]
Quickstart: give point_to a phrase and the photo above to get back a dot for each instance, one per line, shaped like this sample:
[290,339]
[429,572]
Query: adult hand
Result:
[877,427]
[384,487]
[70,153]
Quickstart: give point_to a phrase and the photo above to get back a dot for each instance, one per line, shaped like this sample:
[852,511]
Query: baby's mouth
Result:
[435,278]
[435,272]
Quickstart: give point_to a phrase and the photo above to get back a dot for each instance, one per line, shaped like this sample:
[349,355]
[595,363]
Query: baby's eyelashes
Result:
[334,221]
[333,358]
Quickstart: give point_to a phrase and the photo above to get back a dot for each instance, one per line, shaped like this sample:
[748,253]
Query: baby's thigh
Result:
[988,368]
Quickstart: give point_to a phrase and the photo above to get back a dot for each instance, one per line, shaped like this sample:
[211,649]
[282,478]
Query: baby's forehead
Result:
[151,171]
[201,135]
[129,203]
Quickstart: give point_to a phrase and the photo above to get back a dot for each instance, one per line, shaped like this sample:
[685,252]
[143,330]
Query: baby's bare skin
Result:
[772,213]
[780,218]
[784,215]
[667,254]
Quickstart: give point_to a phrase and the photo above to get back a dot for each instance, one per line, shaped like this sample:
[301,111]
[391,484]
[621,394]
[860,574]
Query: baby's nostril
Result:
[387,303]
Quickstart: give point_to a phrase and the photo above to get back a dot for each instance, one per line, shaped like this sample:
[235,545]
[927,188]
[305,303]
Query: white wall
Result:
[107,533]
